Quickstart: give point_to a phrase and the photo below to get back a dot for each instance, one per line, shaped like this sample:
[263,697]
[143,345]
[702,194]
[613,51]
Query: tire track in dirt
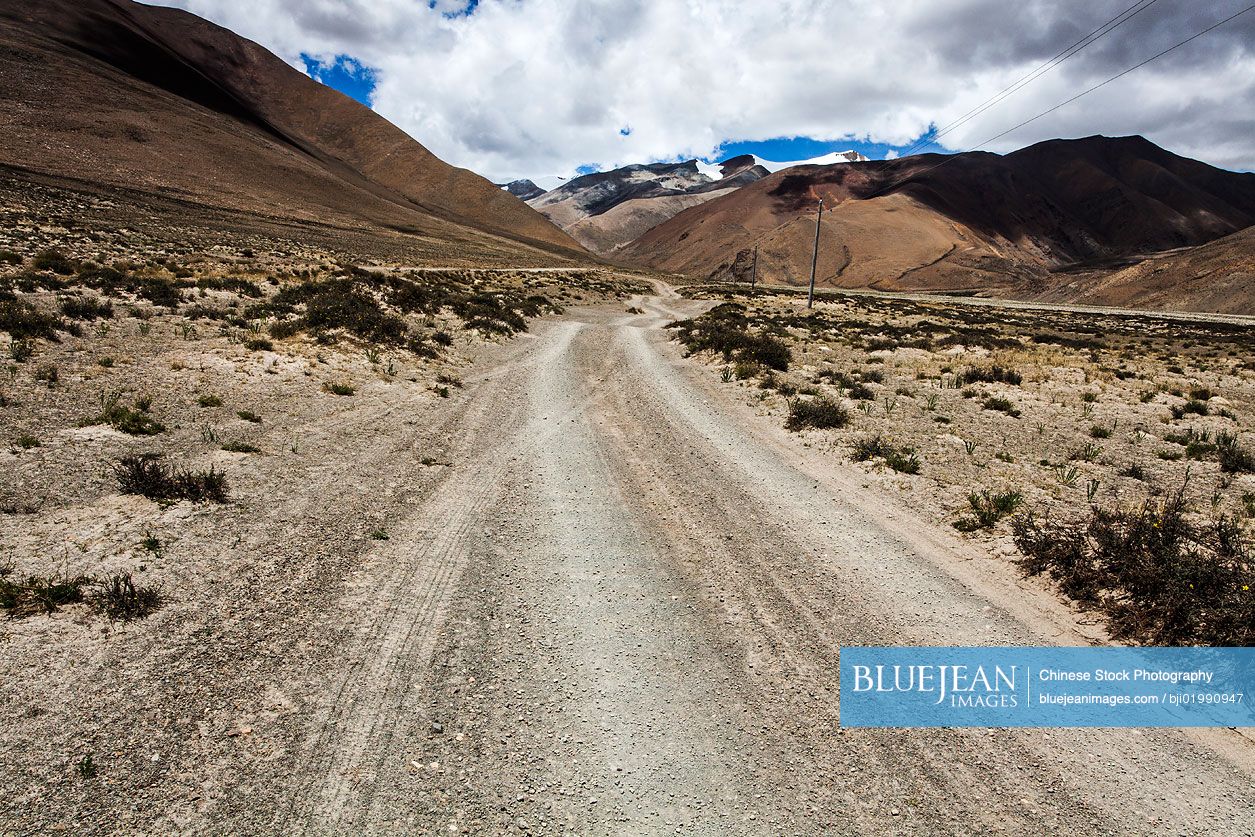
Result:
[395,615]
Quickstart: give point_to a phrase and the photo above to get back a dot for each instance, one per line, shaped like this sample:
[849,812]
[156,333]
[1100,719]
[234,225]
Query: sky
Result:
[529,88]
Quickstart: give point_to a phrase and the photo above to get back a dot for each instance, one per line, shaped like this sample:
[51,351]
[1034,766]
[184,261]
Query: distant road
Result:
[990,302]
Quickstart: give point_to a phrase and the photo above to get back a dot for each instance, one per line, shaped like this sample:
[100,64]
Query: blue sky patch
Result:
[344,73]
[465,11]
[786,149]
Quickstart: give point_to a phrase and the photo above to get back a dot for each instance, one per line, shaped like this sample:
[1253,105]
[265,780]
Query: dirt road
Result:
[620,613]
[617,609]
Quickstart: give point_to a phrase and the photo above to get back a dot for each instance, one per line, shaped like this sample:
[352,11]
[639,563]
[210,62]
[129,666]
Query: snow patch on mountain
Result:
[714,172]
[824,160]
[549,182]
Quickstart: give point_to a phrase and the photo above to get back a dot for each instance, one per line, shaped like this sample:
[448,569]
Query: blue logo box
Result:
[1000,686]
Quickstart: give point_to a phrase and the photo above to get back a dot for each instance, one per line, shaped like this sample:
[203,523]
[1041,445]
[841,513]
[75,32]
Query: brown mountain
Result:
[1218,276]
[113,93]
[605,211]
[975,222]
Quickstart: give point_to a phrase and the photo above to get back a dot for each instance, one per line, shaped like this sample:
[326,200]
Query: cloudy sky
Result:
[524,88]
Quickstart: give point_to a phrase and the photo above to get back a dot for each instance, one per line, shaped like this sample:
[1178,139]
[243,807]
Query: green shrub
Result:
[1159,577]
[820,413]
[48,373]
[724,330]
[135,422]
[989,374]
[988,508]
[55,261]
[860,392]
[149,477]
[121,599]
[22,320]
[1233,457]
[40,594]
[82,308]
[902,459]
[1001,405]
[1197,408]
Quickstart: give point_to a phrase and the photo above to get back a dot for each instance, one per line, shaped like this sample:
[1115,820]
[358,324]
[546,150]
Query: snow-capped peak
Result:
[549,182]
[715,172]
[824,160]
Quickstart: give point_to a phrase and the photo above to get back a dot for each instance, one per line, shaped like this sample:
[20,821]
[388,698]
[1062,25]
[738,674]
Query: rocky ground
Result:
[977,415]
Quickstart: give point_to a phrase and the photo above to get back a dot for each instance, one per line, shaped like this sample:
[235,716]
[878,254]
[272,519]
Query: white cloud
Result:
[535,87]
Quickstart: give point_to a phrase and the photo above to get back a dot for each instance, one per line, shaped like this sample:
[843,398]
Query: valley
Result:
[345,491]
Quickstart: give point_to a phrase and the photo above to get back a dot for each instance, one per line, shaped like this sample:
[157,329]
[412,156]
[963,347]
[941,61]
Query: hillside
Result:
[604,211]
[975,222]
[157,101]
[1218,276]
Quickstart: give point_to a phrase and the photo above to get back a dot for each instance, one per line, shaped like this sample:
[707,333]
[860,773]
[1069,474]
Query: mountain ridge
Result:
[110,90]
[975,222]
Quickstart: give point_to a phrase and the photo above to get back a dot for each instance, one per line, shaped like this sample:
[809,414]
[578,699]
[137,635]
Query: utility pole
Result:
[819,216]
[754,271]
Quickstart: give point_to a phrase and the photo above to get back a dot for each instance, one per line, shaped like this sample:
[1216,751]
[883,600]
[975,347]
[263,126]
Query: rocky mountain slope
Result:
[524,190]
[157,101]
[606,211]
[1218,276]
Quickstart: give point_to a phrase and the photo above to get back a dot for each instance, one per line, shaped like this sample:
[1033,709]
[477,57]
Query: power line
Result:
[1119,75]
[1059,57]
[1085,92]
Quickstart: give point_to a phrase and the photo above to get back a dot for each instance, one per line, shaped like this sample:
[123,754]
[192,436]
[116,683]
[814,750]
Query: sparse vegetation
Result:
[150,477]
[130,420]
[987,508]
[1159,577]
[23,321]
[820,413]
[85,308]
[1001,405]
[54,261]
[1233,457]
[900,458]
[724,330]
[120,598]
[989,374]
[39,594]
